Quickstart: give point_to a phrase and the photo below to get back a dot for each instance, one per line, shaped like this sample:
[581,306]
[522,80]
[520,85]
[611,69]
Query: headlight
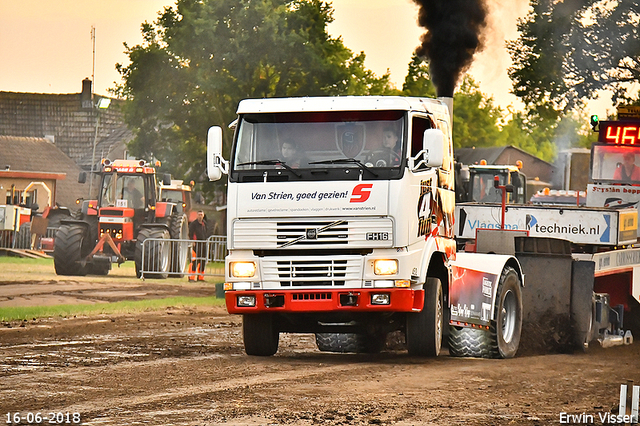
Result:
[246,301]
[243,269]
[385,267]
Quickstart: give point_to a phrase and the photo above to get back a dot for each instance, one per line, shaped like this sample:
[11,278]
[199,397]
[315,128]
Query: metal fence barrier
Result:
[23,240]
[162,258]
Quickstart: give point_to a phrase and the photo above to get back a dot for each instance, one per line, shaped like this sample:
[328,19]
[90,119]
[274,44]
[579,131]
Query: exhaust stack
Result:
[448,101]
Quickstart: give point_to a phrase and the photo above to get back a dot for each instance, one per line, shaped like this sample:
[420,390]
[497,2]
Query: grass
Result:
[23,269]
[123,307]
[16,270]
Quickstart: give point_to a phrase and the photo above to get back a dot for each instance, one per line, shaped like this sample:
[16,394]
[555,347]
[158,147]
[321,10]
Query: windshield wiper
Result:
[347,161]
[273,162]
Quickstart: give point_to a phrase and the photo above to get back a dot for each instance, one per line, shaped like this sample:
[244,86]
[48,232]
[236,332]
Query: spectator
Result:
[198,232]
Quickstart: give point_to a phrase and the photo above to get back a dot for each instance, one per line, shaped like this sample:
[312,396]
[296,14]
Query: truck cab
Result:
[340,221]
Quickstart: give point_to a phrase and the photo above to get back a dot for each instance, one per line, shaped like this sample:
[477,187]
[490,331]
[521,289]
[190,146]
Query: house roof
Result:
[115,141]
[491,154]
[70,119]
[39,155]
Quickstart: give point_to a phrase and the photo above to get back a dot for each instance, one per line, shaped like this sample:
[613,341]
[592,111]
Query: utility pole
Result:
[93,66]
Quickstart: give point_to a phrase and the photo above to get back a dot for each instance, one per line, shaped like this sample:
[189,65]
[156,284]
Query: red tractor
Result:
[113,228]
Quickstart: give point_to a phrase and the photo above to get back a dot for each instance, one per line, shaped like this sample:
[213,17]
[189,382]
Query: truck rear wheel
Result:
[350,342]
[70,248]
[424,329]
[503,337]
[179,230]
[156,253]
[260,335]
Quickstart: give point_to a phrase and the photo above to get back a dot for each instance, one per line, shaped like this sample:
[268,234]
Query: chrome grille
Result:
[342,271]
[326,272]
[258,234]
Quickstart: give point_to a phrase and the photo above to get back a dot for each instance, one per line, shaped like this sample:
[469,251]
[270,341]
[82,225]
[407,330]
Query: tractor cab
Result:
[482,187]
[127,198]
[179,193]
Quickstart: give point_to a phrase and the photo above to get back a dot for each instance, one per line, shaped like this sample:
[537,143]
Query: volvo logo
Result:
[312,233]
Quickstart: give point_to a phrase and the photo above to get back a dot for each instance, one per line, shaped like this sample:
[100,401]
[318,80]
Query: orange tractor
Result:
[114,227]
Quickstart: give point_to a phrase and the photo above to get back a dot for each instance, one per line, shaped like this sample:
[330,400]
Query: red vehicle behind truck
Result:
[113,227]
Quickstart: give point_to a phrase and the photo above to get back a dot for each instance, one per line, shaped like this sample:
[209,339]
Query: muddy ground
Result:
[187,367]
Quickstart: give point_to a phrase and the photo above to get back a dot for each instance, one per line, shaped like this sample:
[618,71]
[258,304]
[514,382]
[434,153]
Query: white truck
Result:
[354,237]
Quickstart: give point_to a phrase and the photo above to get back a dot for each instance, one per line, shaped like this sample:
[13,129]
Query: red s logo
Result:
[361,193]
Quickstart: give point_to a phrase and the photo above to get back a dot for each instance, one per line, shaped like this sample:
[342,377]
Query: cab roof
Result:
[341,103]
[493,167]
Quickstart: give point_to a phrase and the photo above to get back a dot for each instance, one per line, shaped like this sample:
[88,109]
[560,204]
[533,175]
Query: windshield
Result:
[174,195]
[616,163]
[122,191]
[483,189]
[301,145]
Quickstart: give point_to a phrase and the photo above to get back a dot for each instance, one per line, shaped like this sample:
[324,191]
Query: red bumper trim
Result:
[402,300]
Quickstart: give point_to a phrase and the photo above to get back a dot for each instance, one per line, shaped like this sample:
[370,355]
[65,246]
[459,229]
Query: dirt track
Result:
[187,367]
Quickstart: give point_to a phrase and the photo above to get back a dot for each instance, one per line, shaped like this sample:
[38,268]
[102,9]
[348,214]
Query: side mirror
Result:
[433,149]
[82,177]
[166,179]
[216,165]
[465,175]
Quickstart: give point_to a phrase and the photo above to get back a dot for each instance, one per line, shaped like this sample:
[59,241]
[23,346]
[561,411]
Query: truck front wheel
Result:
[424,329]
[503,337]
[260,335]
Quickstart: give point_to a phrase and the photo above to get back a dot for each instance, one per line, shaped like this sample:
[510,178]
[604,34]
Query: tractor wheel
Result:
[101,267]
[260,335]
[424,328]
[503,337]
[23,238]
[350,342]
[155,259]
[179,229]
[71,246]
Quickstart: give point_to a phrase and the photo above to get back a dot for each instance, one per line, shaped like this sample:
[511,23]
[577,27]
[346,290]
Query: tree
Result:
[418,80]
[201,57]
[569,50]
[475,118]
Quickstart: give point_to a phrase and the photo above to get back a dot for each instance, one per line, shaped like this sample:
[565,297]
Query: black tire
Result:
[71,246]
[425,328]
[503,337]
[157,253]
[350,342]
[260,335]
[23,238]
[98,268]
[179,230]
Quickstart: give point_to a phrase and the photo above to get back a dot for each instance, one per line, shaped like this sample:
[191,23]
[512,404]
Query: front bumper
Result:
[329,300]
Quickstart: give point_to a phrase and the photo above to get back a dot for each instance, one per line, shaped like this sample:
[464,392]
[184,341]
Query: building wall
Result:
[19,184]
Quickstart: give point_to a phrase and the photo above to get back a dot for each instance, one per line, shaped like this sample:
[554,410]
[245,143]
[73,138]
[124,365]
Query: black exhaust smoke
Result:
[454,34]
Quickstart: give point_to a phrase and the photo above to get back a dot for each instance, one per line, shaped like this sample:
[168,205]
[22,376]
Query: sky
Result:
[46,46]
